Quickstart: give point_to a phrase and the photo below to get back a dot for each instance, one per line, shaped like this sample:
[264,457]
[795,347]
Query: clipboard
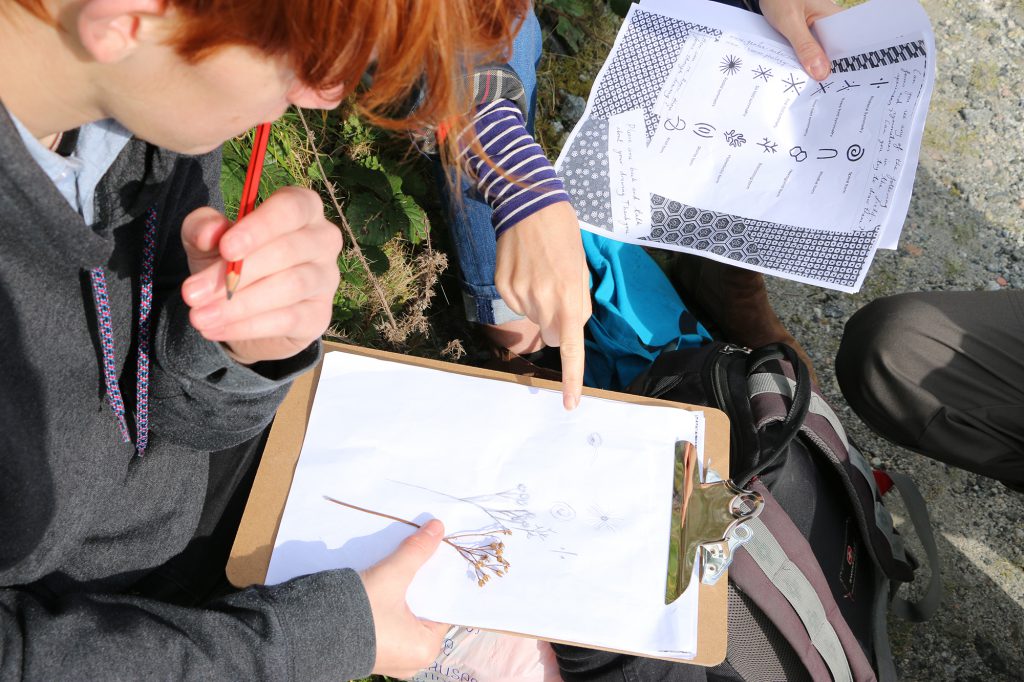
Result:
[254,541]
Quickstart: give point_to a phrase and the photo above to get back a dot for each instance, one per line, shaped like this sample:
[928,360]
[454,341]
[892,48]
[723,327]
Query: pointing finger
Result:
[573,353]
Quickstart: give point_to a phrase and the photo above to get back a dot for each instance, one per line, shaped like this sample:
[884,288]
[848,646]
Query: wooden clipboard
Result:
[254,542]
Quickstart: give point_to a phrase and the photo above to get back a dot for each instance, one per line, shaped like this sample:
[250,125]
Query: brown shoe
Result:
[735,301]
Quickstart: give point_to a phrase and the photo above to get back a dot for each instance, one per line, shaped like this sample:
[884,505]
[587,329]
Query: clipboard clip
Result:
[707,523]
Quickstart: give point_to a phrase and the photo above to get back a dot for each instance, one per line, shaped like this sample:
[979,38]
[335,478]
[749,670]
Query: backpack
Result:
[809,593]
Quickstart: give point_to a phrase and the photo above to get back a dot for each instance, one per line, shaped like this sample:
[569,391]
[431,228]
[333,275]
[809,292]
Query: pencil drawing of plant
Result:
[496,506]
[482,551]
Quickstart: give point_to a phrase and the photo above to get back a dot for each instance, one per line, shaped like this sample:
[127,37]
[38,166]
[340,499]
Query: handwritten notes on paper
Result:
[631,201]
[745,158]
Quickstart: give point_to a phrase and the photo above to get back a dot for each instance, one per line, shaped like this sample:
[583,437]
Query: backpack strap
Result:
[823,427]
[778,571]
[775,437]
[926,607]
[885,665]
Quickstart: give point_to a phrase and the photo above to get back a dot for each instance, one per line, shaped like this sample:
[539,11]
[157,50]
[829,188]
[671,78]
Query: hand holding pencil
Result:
[250,190]
[290,252]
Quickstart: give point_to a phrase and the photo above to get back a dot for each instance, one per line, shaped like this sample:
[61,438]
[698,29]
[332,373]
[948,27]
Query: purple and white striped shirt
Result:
[532,183]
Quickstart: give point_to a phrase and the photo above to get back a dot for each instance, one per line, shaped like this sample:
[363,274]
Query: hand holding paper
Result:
[405,643]
[792,18]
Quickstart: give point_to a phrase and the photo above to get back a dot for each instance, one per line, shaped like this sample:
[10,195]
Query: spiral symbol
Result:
[855,152]
[798,153]
[562,512]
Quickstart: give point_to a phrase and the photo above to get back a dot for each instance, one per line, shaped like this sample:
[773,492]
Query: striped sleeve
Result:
[532,183]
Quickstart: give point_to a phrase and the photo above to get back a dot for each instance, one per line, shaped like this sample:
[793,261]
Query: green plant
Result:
[379,194]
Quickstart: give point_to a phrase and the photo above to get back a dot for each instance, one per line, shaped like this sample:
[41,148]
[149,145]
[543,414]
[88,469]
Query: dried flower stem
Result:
[344,224]
[480,550]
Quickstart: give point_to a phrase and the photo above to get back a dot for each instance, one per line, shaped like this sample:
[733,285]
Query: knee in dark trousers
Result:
[942,373]
[869,366]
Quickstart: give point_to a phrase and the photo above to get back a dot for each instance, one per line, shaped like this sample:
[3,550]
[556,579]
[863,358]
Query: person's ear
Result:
[110,30]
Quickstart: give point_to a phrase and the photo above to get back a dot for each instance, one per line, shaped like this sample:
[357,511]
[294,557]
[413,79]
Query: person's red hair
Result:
[413,44]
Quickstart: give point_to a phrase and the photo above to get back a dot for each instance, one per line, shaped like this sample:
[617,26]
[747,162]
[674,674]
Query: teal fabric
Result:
[637,314]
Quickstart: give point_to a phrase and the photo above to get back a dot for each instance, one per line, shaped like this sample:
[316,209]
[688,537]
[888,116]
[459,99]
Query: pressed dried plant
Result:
[482,551]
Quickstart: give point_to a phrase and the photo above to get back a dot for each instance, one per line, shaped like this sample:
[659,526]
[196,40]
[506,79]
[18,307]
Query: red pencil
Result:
[250,190]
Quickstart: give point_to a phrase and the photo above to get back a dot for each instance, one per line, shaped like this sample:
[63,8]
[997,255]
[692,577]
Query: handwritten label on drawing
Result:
[630,199]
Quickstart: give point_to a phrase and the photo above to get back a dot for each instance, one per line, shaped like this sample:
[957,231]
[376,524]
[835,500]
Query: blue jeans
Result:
[470,220]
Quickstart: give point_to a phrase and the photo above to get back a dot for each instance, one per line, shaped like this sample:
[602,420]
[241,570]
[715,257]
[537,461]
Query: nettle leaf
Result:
[377,258]
[352,273]
[415,184]
[356,179]
[395,181]
[577,8]
[375,222]
[275,176]
[569,32]
[419,224]
[621,7]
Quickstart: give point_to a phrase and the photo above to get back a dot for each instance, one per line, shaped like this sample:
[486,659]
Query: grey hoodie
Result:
[81,518]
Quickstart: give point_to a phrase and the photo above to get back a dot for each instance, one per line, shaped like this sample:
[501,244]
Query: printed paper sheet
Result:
[747,159]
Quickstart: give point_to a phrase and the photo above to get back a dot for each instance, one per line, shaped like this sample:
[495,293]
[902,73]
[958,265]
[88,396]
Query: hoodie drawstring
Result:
[102,301]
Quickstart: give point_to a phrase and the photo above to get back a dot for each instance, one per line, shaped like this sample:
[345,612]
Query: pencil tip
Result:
[230,294]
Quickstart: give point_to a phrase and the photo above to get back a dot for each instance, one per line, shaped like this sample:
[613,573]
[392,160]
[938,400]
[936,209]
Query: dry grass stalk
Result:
[374,282]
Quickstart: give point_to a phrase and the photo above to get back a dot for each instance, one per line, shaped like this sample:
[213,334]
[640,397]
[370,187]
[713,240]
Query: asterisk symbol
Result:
[761,72]
[731,65]
[792,84]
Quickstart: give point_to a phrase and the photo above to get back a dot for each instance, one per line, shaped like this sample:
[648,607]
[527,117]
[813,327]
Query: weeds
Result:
[379,195]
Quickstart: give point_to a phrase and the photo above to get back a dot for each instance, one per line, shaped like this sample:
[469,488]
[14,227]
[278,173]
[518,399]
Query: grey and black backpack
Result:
[810,592]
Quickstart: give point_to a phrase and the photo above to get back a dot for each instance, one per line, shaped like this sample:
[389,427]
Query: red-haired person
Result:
[124,367]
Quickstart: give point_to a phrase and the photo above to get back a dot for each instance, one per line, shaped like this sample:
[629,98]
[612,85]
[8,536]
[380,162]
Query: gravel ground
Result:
[965,231]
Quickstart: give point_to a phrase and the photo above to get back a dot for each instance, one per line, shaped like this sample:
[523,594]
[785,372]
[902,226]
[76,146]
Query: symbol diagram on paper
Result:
[823,87]
[602,520]
[731,65]
[675,124]
[792,84]
[704,130]
[769,146]
[562,553]
[735,139]
[855,152]
[798,153]
[762,73]
[562,511]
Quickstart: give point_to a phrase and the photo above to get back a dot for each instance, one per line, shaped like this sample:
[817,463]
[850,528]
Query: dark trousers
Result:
[942,373]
